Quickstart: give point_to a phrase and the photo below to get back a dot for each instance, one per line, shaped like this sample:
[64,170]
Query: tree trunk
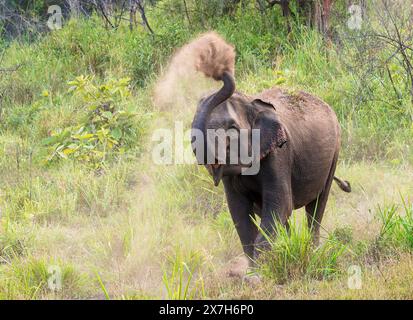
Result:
[285,7]
[316,12]
[411,14]
[74,8]
[321,12]
[326,18]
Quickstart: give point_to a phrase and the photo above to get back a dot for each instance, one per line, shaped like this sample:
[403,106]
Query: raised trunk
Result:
[205,109]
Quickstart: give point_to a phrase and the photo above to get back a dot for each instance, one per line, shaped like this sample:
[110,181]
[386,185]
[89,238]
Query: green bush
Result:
[107,127]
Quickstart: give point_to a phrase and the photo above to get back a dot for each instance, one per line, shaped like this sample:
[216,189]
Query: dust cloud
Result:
[190,72]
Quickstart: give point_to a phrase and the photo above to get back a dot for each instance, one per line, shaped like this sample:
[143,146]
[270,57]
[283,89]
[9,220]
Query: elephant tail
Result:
[343,184]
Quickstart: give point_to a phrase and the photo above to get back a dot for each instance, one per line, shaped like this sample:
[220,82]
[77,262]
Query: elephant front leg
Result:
[276,208]
[241,209]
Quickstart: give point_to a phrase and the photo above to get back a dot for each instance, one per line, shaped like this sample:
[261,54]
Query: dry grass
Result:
[174,211]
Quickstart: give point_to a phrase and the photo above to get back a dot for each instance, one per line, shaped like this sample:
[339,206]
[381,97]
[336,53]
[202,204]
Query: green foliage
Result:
[102,286]
[32,7]
[31,280]
[107,126]
[253,38]
[343,235]
[292,255]
[179,279]
[13,242]
[396,226]
[373,128]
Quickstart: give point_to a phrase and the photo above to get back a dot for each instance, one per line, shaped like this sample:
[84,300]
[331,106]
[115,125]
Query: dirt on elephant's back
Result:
[297,102]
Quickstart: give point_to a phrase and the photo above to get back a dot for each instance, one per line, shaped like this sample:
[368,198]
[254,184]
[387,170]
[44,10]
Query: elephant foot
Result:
[238,267]
[241,268]
[252,279]
[316,241]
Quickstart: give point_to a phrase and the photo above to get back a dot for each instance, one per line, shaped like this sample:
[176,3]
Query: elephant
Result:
[299,147]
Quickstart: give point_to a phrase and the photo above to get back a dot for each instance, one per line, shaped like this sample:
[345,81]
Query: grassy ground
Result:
[166,219]
[109,223]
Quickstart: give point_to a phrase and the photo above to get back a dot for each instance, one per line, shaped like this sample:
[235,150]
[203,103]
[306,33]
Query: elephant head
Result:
[226,115]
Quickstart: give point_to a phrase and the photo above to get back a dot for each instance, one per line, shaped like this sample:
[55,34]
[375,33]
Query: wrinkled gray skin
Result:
[300,142]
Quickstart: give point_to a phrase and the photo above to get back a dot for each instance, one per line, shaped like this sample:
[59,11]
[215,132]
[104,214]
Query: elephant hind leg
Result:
[315,209]
[314,217]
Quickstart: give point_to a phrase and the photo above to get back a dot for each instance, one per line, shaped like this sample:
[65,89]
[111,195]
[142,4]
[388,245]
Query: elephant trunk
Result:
[204,110]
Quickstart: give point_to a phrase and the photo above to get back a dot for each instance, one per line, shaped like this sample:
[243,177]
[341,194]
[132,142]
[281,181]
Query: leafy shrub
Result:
[107,127]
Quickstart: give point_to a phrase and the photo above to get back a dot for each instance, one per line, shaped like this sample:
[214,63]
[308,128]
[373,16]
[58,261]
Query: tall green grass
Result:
[396,225]
[293,256]
[181,280]
[37,278]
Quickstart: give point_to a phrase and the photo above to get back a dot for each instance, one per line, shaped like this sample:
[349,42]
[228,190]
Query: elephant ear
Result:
[272,132]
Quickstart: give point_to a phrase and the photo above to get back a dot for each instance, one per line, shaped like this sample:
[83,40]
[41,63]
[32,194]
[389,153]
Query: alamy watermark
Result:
[55,19]
[356,19]
[237,148]
[354,280]
[54,281]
